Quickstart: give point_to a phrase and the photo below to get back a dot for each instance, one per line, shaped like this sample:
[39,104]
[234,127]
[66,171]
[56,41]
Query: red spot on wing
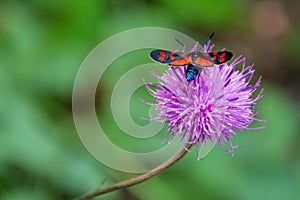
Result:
[214,57]
[222,59]
[223,55]
[161,58]
[162,53]
[203,62]
[215,53]
[172,57]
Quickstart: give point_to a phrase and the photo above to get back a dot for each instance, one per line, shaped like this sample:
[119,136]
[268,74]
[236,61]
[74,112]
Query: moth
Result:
[194,60]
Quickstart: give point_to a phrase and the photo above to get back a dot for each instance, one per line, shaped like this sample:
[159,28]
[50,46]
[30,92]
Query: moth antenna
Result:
[207,41]
[209,38]
[183,46]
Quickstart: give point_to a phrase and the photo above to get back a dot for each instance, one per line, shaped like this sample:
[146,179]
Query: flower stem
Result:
[139,179]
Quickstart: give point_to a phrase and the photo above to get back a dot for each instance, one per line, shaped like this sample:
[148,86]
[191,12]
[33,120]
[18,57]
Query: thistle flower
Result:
[212,107]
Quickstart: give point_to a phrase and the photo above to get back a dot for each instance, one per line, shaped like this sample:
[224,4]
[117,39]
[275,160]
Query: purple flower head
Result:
[212,107]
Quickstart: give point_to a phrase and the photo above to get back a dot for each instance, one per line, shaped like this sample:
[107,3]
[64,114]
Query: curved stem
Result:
[136,180]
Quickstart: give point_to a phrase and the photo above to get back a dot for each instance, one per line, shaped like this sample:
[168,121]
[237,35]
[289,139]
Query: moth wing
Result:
[220,57]
[160,56]
[169,57]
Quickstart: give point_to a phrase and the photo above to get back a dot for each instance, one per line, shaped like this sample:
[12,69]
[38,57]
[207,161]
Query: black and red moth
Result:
[194,60]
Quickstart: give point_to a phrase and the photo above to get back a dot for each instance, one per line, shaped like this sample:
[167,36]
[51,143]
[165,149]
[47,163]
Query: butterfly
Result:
[194,60]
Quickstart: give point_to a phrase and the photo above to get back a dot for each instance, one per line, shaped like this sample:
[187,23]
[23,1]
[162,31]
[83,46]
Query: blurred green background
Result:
[42,46]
